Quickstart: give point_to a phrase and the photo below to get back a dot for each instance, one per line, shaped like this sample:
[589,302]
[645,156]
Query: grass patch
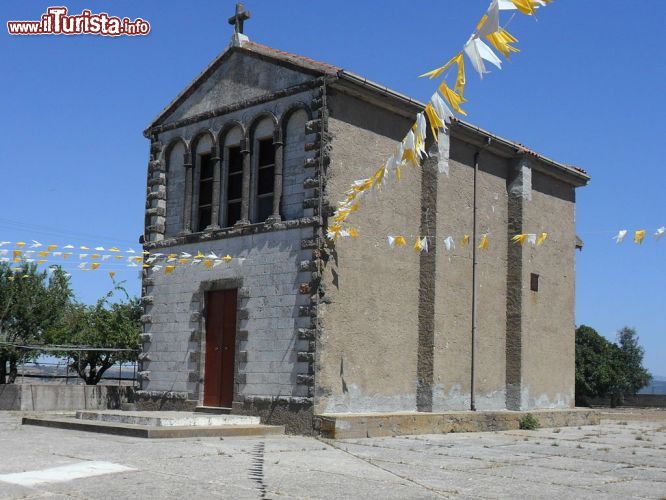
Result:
[529,423]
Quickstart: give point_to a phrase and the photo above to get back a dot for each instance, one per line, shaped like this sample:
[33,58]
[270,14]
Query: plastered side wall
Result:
[548,315]
[367,354]
[453,299]
[266,271]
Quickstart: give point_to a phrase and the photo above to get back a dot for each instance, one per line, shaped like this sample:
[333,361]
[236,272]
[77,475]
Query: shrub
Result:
[529,422]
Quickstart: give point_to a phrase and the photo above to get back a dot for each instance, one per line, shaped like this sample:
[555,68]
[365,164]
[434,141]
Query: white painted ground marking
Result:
[63,473]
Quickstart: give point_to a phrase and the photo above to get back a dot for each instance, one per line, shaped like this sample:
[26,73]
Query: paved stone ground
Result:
[624,457]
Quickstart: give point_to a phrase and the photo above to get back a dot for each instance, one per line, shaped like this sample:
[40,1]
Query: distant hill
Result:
[657,386]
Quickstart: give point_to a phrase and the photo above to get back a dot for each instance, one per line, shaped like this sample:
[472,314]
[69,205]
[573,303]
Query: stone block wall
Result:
[266,271]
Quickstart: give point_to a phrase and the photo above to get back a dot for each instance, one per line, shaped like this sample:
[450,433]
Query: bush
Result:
[529,422]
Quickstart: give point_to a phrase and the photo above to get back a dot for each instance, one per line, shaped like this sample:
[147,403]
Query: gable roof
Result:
[299,62]
[323,69]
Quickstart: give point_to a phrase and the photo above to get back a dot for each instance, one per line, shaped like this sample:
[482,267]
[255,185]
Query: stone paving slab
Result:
[605,461]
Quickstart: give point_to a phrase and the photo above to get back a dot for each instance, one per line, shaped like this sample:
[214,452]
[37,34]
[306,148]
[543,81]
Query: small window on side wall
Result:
[534,282]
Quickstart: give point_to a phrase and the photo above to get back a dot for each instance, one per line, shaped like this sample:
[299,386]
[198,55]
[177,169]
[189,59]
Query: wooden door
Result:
[220,348]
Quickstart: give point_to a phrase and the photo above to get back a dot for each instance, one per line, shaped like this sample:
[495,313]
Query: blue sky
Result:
[587,89]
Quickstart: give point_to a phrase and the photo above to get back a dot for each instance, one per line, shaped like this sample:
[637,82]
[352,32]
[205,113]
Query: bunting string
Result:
[438,113]
[79,258]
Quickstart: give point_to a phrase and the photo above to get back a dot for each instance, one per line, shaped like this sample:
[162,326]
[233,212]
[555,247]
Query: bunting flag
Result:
[520,239]
[620,236]
[421,245]
[639,236]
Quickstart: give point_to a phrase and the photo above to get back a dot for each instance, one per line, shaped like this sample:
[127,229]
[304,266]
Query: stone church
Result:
[250,160]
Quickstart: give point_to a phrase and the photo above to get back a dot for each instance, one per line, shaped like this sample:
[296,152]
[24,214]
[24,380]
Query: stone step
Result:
[153,432]
[213,409]
[165,418]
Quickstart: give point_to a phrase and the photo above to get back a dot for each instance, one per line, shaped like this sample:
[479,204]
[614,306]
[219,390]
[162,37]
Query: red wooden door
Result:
[220,348]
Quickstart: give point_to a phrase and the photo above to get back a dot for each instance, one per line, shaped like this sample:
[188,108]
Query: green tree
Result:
[31,303]
[606,369]
[631,354]
[103,325]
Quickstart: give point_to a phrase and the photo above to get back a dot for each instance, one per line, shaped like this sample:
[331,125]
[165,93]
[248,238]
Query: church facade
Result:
[250,160]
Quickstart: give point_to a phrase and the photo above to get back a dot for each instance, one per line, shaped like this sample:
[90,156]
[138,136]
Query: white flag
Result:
[619,237]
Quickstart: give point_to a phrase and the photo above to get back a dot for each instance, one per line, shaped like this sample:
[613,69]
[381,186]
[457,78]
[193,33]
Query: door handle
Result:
[217,348]
[226,348]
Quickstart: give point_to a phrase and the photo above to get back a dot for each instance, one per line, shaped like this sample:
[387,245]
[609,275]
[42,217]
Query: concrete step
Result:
[215,410]
[153,432]
[165,418]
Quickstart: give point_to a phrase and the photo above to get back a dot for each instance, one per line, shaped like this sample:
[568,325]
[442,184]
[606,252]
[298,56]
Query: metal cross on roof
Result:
[239,18]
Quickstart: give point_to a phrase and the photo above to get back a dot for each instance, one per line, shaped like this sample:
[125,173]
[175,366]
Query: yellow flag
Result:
[199,255]
[115,250]
[452,98]
[83,247]
[138,259]
[208,264]
[20,244]
[502,41]
[410,156]
[525,6]
[435,121]
[639,236]
[485,242]
[119,257]
[353,232]
[400,241]
[482,22]
[460,77]
[112,274]
[520,239]
[51,247]
[94,265]
[43,253]
[398,174]
[465,240]
[334,231]
[541,239]
[169,269]
[227,258]
[17,254]
[94,256]
[42,261]
[378,177]
[66,255]
[183,261]
[435,73]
